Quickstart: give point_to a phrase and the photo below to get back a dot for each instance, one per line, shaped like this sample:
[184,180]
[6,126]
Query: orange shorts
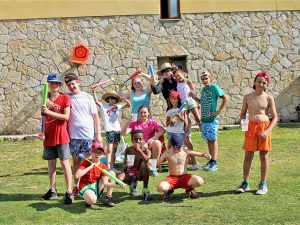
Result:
[252,140]
[179,181]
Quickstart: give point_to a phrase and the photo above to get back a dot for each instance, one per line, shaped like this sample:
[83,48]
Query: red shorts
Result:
[179,181]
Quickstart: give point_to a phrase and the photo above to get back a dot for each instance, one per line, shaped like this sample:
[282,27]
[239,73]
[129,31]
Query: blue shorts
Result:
[78,146]
[210,130]
[113,137]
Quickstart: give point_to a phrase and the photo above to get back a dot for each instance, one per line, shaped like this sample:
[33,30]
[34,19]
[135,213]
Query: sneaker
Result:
[133,188]
[206,166]
[147,196]
[154,173]
[192,194]
[87,205]
[75,191]
[212,167]
[69,198]
[197,167]
[262,189]
[50,195]
[243,188]
[167,194]
[109,202]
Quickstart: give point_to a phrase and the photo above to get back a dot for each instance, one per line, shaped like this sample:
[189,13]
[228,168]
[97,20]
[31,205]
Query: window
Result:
[170,9]
[179,61]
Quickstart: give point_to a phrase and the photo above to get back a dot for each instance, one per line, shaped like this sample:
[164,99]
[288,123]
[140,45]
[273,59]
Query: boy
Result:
[258,137]
[210,117]
[84,123]
[177,157]
[93,180]
[56,142]
[139,169]
[111,111]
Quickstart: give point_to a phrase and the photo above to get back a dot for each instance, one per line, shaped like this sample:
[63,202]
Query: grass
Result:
[23,179]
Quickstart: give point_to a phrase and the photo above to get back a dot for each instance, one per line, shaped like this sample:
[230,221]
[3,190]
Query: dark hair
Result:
[143,106]
[254,87]
[169,104]
[112,97]
[137,132]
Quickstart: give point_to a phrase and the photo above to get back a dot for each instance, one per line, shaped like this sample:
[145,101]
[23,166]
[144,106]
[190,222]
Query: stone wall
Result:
[233,46]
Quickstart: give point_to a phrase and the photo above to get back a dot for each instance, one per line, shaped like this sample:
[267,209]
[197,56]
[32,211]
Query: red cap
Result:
[98,145]
[174,94]
[264,75]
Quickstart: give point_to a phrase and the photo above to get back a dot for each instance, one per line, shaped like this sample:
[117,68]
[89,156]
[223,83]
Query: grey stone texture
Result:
[232,46]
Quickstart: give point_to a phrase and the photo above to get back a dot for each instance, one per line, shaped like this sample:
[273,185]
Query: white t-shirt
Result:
[178,126]
[81,122]
[111,116]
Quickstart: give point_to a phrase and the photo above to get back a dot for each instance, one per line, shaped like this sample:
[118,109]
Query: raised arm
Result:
[96,98]
[127,103]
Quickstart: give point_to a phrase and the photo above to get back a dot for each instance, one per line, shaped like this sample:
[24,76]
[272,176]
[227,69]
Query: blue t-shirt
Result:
[138,101]
[209,101]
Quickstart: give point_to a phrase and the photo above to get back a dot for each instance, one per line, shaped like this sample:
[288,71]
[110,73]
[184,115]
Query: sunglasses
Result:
[54,82]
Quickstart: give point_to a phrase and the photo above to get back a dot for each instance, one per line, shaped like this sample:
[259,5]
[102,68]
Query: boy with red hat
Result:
[258,137]
[92,180]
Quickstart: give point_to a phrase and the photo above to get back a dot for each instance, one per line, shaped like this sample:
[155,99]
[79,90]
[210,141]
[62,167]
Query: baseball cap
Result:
[174,94]
[54,77]
[98,146]
[264,75]
[176,140]
[70,77]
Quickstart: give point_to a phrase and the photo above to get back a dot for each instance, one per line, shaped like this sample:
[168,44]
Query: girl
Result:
[177,124]
[186,91]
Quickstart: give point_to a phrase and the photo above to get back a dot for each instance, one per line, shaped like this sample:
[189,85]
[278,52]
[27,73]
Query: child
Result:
[139,170]
[177,124]
[56,142]
[177,157]
[210,117]
[258,137]
[93,180]
[186,91]
[84,124]
[111,111]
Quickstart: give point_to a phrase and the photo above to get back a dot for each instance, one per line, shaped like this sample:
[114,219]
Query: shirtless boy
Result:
[258,137]
[139,170]
[177,157]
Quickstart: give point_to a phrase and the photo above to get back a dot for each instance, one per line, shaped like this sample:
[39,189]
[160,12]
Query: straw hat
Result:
[111,94]
[164,67]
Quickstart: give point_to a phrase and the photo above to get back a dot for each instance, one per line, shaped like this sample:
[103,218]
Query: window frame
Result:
[162,9]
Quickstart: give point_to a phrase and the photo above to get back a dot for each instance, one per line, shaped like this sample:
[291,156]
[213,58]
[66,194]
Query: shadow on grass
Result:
[218,193]
[76,207]
[42,171]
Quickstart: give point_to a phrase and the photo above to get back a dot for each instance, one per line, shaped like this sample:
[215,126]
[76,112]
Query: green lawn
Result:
[23,179]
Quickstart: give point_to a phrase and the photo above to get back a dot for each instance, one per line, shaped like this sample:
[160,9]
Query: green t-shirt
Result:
[209,100]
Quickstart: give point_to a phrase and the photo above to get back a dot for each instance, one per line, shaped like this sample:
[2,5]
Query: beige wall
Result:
[26,9]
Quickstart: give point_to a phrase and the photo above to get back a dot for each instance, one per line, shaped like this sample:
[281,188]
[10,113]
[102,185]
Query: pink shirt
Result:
[149,128]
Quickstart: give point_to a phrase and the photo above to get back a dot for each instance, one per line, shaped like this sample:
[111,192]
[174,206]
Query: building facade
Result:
[231,39]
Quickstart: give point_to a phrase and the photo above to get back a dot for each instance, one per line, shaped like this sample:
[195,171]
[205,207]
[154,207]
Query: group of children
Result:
[68,127]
